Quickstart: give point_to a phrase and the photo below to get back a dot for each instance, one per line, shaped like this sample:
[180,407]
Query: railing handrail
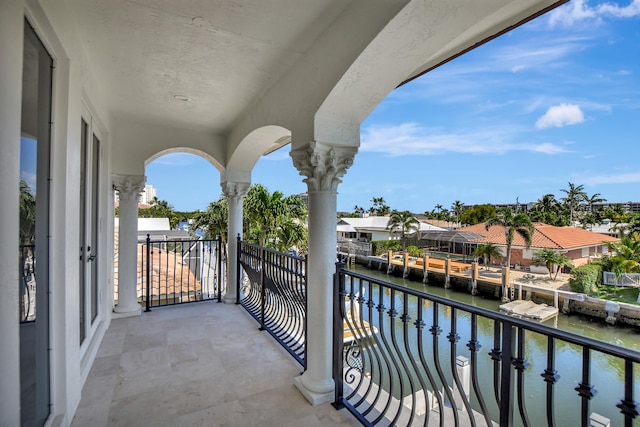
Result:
[274,251]
[570,337]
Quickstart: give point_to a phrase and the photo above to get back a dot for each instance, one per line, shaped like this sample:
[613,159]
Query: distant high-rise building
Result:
[146,197]
[148,194]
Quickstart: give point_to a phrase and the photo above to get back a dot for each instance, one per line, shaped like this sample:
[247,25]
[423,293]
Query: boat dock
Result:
[529,310]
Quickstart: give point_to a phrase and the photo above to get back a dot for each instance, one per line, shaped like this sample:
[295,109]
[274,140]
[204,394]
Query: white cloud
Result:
[561,115]
[629,11]
[410,139]
[623,178]
[570,13]
[546,148]
[579,10]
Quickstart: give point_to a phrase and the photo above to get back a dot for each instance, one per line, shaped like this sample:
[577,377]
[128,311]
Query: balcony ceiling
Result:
[205,65]
[219,54]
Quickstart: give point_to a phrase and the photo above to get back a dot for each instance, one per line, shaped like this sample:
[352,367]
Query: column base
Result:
[119,313]
[229,299]
[313,397]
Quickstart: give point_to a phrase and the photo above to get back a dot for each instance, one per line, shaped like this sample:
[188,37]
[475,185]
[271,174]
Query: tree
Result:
[519,223]
[575,196]
[457,208]
[590,201]
[487,251]
[213,221]
[268,214]
[379,208]
[404,221]
[478,214]
[160,209]
[549,211]
[551,258]
[626,254]
[27,214]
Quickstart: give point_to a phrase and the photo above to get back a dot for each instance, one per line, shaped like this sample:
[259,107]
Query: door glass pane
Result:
[95,186]
[83,232]
[34,230]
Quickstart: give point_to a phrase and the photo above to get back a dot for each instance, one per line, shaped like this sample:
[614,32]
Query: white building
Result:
[98,89]
[373,228]
[148,194]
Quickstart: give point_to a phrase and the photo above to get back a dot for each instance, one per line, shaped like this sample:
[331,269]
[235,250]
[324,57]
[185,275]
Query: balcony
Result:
[196,364]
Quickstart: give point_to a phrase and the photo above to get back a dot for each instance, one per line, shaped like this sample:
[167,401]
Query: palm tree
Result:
[27,214]
[457,208]
[487,251]
[404,221]
[379,208]
[627,253]
[550,258]
[575,196]
[519,223]
[266,213]
[212,221]
[547,205]
[593,200]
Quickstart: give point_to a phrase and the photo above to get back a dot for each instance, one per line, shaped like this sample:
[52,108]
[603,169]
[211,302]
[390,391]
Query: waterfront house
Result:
[101,89]
[373,228]
[578,244]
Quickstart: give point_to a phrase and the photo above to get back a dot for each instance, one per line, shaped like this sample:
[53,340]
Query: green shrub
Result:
[415,251]
[586,278]
[381,247]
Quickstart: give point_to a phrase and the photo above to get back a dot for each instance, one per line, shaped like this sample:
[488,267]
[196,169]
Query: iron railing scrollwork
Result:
[181,271]
[274,293]
[392,368]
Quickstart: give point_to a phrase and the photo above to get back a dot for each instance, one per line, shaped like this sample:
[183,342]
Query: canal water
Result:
[607,373]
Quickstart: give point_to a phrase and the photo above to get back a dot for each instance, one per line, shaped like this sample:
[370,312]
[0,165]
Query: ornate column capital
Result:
[323,164]
[129,187]
[235,191]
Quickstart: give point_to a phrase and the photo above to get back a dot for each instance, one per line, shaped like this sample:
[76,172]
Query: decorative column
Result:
[129,188]
[323,165]
[235,193]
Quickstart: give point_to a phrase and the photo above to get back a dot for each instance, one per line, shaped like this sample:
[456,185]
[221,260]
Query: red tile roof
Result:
[545,236]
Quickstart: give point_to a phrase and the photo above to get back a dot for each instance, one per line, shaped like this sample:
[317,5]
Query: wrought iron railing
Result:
[394,366]
[181,271]
[274,293]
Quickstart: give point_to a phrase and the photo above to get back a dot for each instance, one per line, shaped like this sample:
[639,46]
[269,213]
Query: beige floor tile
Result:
[201,364]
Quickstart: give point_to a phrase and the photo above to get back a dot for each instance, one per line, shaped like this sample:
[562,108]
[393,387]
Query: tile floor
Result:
[200,364]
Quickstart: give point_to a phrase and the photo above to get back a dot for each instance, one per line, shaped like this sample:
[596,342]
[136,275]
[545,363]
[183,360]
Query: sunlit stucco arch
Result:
[186,150]
[254,145]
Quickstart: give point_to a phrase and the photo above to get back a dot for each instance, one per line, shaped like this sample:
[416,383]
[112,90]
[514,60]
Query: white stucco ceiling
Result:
[219,54]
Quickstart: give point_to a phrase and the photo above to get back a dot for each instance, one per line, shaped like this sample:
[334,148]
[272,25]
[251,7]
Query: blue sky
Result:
[554,101]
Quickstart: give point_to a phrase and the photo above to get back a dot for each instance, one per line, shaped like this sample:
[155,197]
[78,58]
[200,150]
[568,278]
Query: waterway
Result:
[607,373]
